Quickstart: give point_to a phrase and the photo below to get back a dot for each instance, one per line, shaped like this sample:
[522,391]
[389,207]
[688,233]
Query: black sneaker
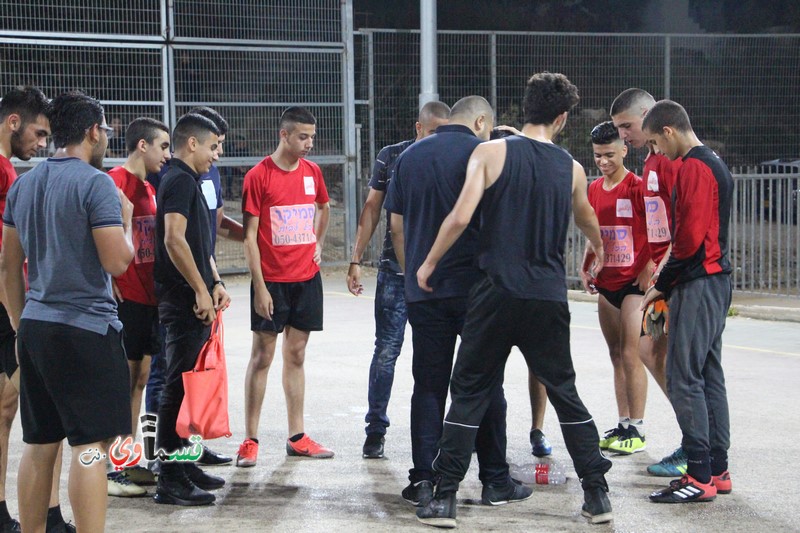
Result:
[202,479]
[212,458]
[596,506]
[63,527]
[418,494]
[10,527]
[513,491]
[439,512]
[175,488]
[373,446]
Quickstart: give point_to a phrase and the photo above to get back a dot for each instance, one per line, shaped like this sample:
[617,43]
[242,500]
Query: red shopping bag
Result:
[204,410]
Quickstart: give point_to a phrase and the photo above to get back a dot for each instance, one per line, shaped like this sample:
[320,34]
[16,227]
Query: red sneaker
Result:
[248,454]
[685,490]
[723,483]
[306,447]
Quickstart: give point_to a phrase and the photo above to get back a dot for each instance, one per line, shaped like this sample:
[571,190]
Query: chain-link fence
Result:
[740,92]
[248,59]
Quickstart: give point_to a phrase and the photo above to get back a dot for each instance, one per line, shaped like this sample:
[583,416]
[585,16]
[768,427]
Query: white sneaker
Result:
[119,485]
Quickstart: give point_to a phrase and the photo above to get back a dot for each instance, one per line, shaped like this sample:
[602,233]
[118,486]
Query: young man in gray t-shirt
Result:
[73,226]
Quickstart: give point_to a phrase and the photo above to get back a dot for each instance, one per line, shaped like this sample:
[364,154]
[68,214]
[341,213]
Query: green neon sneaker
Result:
[673,465]
[611,436]
[630,442]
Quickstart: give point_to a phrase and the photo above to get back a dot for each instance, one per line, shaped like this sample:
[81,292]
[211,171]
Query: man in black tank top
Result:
[526,186]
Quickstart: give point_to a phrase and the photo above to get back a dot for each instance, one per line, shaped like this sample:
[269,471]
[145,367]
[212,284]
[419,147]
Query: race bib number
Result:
[308,182]
[617,245]
[657,221]
[624,208]
[292,224]
[144,239]
[652,181]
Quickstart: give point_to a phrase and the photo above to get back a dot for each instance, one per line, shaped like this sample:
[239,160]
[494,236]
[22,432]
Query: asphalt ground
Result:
[348,493]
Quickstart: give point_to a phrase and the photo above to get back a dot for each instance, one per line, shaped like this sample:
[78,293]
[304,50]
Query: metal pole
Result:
[493,67]
[349,132]
[429,90]
[667,65]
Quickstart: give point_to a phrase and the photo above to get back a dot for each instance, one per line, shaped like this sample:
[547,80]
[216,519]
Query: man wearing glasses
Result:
[74,227]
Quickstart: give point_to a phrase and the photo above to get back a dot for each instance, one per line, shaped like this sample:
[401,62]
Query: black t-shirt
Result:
[179,192]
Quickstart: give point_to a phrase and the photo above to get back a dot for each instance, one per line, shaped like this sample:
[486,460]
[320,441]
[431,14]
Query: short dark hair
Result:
[142,128]
[547,95]
[192,125]
[71,114]
[628,99]
[28,102]
[296,115]
[604,133]
[434,109]
[666,113]
[211,114]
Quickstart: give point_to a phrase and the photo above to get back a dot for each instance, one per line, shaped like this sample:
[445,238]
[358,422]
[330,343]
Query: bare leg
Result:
[609,325]
[538,395]
[654,356]
[255,381]
[8,410]
[34,482]
[635,375]
[294,376]
[54,498]
[140,372]
[88,490]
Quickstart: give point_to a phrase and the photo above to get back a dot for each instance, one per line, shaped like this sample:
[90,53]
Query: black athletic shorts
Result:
[615,297]
[74,383]
[8,343]
[141,332]
[296,304]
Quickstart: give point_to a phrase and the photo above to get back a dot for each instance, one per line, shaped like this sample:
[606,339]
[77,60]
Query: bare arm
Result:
[398,239]
[12,257]
[483,169]
[228,227]
[367,222]
[262,300]
[181,256]
[584,215]
[114,244]
[321,219]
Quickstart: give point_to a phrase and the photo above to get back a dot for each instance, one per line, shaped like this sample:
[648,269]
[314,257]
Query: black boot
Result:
[440,511]
[175,488]
[203,479]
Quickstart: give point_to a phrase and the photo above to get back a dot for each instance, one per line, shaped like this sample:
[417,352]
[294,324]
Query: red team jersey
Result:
[285,204]
[658,180]
[620,213]
[7,177]
[137,283]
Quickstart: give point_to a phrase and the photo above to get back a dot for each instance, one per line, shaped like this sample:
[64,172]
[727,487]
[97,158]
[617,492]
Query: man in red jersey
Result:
[147,142]
[616,198]
[696,280]
[24,129]
[286,212]
[658,179]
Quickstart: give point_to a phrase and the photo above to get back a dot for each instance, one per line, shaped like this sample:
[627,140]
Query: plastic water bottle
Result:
[550,474]
[541,474]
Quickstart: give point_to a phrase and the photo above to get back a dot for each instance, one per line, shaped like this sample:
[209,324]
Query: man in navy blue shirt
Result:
[390,306]
[428,178]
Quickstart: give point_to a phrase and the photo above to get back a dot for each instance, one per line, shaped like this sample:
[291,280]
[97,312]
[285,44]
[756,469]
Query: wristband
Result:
[355,263]
[218,282]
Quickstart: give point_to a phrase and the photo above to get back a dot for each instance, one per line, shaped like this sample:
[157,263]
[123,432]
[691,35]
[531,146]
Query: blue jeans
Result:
[435,326]
[390,326]
[155,381]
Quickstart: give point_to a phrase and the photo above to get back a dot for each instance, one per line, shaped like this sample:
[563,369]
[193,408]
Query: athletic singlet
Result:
[524,220]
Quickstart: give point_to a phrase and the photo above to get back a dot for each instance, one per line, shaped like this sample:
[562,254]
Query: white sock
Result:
[624,421]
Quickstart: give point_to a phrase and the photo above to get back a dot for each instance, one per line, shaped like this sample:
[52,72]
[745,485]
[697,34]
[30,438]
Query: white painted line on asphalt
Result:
[760,350]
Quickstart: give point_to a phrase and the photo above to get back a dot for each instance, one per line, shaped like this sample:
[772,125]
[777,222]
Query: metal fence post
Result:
[349,127]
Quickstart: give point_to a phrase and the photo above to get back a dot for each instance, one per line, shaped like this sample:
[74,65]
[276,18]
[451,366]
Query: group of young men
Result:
[120,279]
[474,248]
[476,231]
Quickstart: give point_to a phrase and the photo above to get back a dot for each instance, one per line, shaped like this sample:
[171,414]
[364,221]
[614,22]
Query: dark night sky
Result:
[717,16]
